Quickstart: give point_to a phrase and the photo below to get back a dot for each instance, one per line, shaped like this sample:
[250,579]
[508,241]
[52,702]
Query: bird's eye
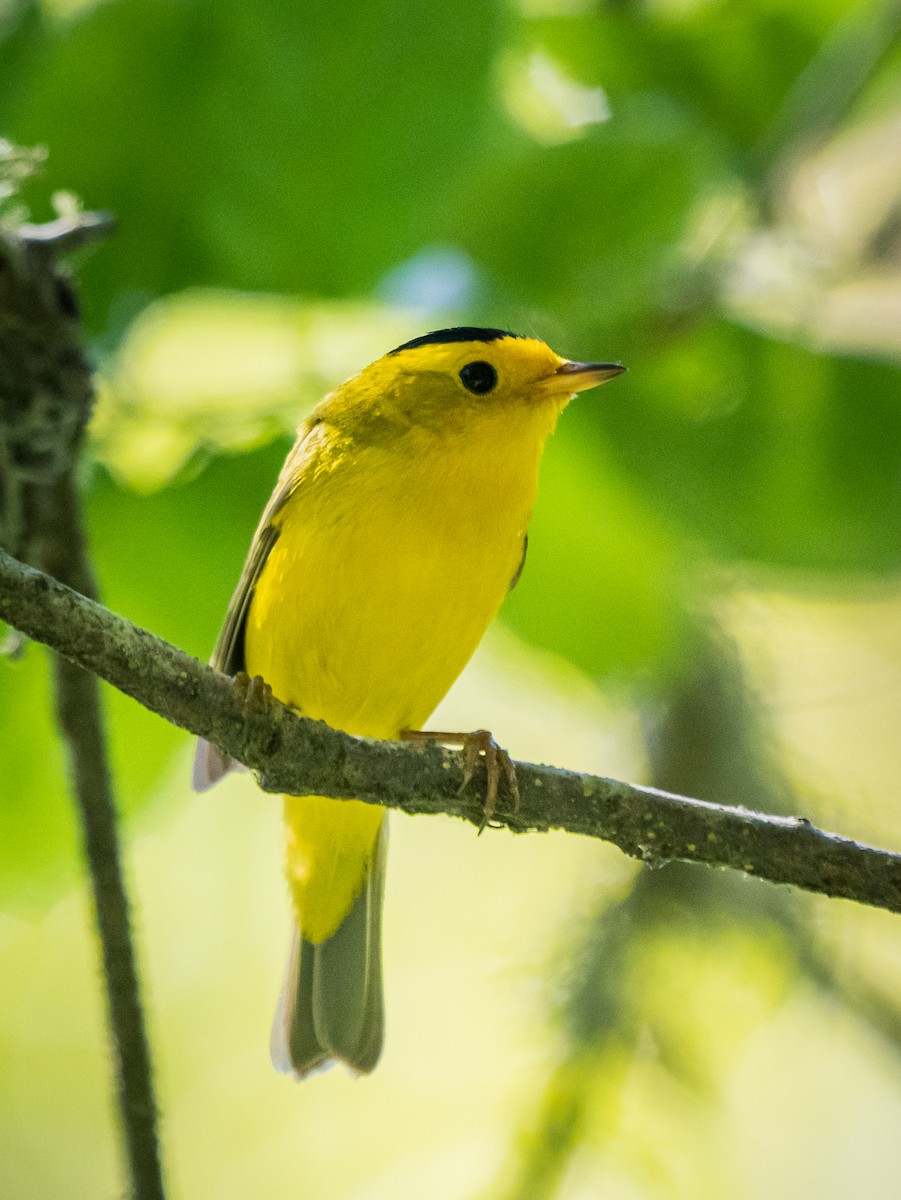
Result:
[478,377]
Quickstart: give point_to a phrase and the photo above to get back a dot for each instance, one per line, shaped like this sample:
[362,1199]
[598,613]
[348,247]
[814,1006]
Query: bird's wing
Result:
[228,656]
[210,763]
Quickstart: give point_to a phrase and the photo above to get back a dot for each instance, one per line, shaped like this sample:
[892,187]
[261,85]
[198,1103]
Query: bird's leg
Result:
[475,745]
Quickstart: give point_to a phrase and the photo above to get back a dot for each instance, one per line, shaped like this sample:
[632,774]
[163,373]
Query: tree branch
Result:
[45,401]
[293,754]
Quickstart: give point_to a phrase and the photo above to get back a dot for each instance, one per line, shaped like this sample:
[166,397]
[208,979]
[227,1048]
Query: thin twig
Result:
[296,755]
[82,726]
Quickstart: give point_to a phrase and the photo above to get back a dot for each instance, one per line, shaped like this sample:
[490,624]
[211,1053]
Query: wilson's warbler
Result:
[396,528]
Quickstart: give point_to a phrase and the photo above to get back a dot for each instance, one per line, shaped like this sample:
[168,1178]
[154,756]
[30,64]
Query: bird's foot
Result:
[477,745]
[256,692]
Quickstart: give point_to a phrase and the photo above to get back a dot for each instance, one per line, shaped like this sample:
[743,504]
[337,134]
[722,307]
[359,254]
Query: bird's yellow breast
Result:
[389,565]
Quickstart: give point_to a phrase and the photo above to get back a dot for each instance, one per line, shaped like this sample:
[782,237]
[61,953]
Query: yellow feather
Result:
[328,846]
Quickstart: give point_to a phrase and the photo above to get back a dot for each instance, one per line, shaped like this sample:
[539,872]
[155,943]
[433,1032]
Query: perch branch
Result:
[293,754]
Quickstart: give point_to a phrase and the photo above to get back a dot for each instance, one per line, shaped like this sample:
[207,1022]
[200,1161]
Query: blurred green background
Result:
[707,190]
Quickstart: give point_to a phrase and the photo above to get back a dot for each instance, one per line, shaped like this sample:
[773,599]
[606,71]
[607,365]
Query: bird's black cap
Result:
[459,333]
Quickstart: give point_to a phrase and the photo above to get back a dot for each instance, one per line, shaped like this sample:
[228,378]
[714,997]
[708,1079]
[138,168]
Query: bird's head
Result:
[466,377]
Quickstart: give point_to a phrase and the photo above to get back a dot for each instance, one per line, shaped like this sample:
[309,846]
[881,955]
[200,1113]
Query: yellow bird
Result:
[397,526]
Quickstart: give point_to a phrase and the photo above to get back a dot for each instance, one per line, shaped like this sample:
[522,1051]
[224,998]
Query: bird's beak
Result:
[579,377]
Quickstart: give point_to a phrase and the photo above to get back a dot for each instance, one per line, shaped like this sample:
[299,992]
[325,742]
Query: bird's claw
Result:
[475,746]
[256,692]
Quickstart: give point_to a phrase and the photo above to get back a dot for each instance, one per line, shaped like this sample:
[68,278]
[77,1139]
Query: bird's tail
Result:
[331,1007]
